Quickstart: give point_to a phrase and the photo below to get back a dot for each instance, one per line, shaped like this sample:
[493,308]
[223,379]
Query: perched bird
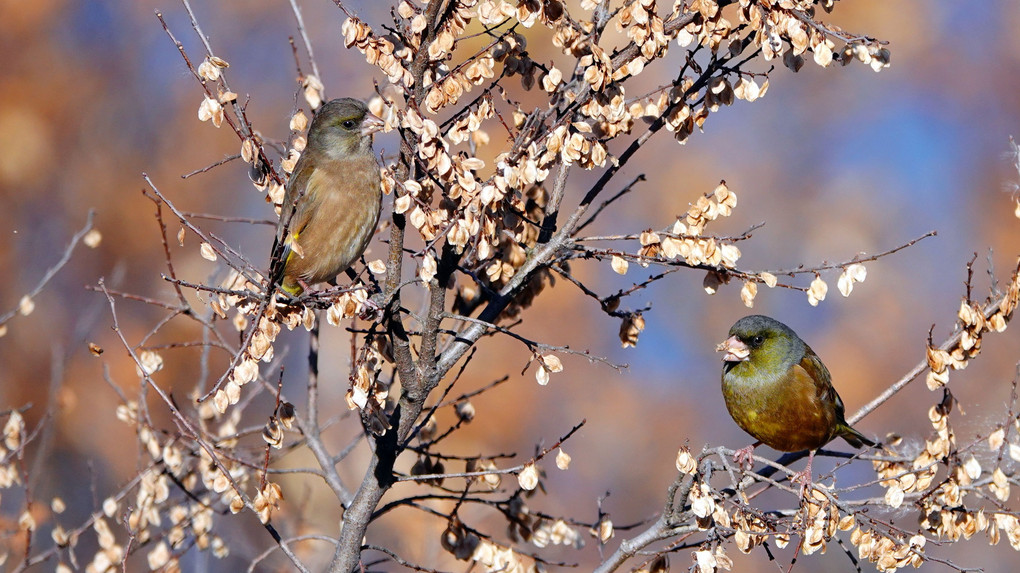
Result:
[333,197]
[777,389]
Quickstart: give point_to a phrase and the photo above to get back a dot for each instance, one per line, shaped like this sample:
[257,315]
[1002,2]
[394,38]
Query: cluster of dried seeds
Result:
[975,319]
[466,545]
[819,520]
[886,553]
[487,210]
[169,525]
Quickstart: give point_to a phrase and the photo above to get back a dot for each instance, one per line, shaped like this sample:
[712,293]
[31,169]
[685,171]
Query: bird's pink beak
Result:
[736,351]
[371,124]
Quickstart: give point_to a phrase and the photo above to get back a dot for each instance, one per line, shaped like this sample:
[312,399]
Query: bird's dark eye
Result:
[349,124]
[757,340]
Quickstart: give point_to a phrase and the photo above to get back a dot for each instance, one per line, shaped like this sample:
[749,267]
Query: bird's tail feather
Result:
[855,438]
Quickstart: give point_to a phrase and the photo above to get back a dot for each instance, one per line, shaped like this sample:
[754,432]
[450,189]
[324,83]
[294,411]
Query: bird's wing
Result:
[299,186]
[823,380]
[293,217]
[827,395]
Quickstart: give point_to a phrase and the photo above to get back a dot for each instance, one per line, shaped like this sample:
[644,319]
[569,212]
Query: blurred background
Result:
[834,162]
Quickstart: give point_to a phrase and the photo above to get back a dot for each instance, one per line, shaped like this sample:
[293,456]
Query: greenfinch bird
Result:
[333,197]
[777,389]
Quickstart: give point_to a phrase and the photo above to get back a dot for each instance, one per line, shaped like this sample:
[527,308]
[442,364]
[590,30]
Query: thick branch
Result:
[378,477]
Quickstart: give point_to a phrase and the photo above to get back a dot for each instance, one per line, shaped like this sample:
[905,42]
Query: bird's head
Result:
[761,340]
[344,127]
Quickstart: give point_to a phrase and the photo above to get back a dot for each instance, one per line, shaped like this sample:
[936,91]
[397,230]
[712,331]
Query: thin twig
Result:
[52,271]
[304,38]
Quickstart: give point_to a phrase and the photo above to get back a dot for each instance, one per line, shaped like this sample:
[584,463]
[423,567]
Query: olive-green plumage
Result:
[334,194]
[777,389]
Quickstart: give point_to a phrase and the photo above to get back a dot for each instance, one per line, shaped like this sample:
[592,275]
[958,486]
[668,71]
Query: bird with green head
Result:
[777,389]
